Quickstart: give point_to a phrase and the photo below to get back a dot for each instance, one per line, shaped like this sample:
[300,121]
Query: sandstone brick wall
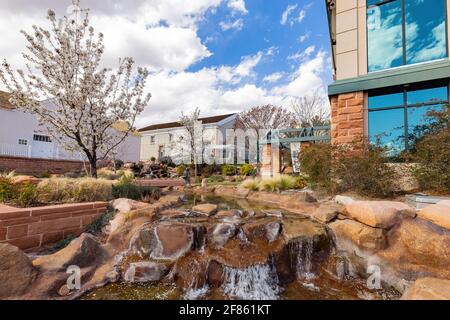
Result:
[347,118]
[37,166]
[34,227]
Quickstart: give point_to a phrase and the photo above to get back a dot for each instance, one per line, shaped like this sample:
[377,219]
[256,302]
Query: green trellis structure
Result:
[287,136]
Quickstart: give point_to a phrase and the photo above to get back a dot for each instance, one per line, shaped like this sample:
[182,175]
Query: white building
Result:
[22,136]
[158,140]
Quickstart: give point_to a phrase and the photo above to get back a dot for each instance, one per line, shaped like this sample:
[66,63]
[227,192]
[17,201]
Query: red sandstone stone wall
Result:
[37,166]
[34,227]
[347,118]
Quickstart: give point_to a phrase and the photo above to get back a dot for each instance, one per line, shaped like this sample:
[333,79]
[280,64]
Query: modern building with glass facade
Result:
[391,66]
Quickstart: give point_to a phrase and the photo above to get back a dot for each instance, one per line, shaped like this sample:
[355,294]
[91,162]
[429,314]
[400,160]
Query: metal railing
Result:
[26,151]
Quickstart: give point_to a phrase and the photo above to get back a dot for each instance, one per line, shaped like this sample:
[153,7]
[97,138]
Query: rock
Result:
[204,183]
[326,212]
[145,272]
[215,274]
[302,228]
[437,213]
[273,230]
[267,229]
[379,214]
[82,252]
[225,191]
[419,247]
[428,289]
[113,276]
[306,196]
[229,214]
[241,192]
[173,214]
[171,241]
[127,205]
[118,221]
[343,200]
[16,271]
[25,180]
[273,213]
[205,208]
[221,234]
[363,236]
[64,291]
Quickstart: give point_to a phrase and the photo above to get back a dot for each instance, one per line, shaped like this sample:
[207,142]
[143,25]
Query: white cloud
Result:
[304,37]
[238,6]
[238,24]
[274,77]
[303,55]
[287,12]
[301,16]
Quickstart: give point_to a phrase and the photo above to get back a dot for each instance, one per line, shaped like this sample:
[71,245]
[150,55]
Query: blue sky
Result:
[221,56]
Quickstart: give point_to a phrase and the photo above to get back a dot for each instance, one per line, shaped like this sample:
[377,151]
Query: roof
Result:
[4,103]
[206,120]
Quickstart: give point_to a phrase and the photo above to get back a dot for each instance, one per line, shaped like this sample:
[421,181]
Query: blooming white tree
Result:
[63,65]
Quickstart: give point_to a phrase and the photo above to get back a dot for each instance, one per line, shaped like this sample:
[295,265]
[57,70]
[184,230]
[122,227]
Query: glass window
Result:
[401,32]
[391,119]
[41,138]
[23,142]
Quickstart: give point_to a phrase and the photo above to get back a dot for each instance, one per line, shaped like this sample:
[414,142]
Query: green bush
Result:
[97,225]
[180,170]
[247,170]
[433,157]
[118,164]
[316,164]
[228,170]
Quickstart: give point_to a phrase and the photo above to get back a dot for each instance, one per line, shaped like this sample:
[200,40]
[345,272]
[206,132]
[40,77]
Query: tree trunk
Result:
[93,164]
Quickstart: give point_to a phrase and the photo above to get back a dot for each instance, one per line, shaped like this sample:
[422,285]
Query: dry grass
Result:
[61,190]
[280,183]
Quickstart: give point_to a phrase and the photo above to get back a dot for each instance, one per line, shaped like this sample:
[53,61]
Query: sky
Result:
[222,56]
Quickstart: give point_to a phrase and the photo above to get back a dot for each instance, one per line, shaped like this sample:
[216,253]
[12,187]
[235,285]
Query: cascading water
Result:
[301,253]
[259,282]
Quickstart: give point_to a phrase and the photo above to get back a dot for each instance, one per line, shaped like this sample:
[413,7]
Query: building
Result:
[22,136]
[391,66]
[160,140]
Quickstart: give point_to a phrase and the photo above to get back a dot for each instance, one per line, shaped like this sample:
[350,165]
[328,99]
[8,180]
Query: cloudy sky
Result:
[222,56]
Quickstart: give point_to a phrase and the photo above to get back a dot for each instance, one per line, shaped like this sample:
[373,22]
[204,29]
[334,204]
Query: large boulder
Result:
[145,271]
[127,205]
[437,213]
[343,200]
[379,214]
[419,248]
[428,289]
[229,214]
[16,271]
[84,251]
[363,236]
[267,229]
[205,208]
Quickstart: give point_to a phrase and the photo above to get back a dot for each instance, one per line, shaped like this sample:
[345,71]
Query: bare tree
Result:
[192,126]
[264,118]
[312,109]
[63,66]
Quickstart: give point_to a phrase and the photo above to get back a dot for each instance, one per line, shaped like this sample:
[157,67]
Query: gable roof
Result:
[4,103]
[206,120]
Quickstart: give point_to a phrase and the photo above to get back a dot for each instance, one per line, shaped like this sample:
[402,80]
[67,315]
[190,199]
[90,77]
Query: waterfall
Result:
[301,252]
[194,294]
[259,282]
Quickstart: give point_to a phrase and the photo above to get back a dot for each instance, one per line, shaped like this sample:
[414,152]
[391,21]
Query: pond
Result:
[301,263]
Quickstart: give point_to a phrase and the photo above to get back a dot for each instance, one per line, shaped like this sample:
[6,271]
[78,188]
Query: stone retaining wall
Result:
[32,228]
[37,166]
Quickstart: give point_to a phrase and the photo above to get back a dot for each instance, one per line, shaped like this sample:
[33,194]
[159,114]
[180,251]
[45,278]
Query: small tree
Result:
[312,109]
[192,126]
[264,118]
[86,100]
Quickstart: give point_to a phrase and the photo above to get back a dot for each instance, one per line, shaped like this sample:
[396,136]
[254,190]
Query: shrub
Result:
[365,173]
[152,159]
[269,184]
[66,190]
[167,161]
[118,164]
[251,184]
[107,173]
[97,225]
[247,170]
[316,163]
[209,169]
[228,170]
[216,178]
[7,189]
[180,169]
[27,195]
[130,190]
[433,156]
[64,242]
